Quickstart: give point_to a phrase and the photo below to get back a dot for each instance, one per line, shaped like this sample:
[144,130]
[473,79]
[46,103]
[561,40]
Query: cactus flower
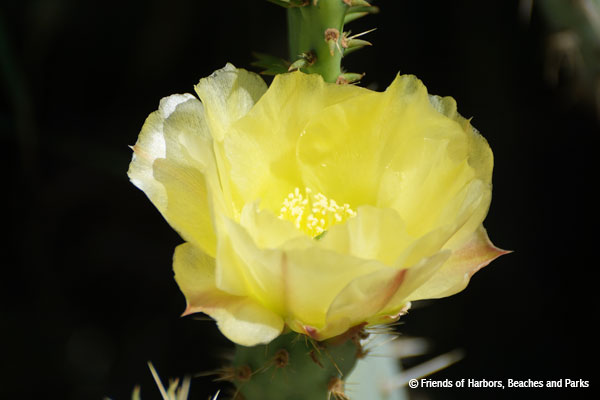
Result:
[315,207]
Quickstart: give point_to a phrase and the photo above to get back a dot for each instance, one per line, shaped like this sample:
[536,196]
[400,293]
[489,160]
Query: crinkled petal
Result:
[240,319]
[388,133]
[481,158]
[339,151]
[476,253]
[173,164]
[228,94]
[261,147]
[151,144]
[404,154]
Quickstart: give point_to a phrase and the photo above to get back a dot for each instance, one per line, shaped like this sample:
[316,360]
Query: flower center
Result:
[313,213]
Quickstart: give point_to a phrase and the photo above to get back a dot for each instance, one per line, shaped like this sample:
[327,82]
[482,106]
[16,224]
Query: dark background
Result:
[87,289]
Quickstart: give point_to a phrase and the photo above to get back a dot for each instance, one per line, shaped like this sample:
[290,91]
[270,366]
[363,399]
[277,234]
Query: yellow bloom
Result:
[315,206]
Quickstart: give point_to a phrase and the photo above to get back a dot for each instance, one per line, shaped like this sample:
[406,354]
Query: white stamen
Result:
[296,208]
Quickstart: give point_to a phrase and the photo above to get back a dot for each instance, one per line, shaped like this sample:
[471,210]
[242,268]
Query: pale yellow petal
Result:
[298,282]
[248,323]
[368,296]
[481,157]
[396,139]
[175,178]
[150,145]
[476,253]
[404,154]
[481,161]
[468,209]
[416,277]
[261,147]
[267,230]
[340,150]
[347,149]
[458,217]
[437,168]
[380,233]
[240,319]
[228,94]
[314,277]
[195,275]
[374,233]
[244,269]
[424,247]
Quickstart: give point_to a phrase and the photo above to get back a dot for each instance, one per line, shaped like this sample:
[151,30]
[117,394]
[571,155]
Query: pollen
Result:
[313,213]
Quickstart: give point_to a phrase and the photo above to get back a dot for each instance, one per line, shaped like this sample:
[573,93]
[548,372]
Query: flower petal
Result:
[151,144]
[240,319]
[314,278]
[169,163]
[403,154]
[247,323]
[374,233]
[384,128]
[481,158]
[297,280]
[481,161]
[245,270]
[476,253]
[228,94]
[261,147]
[268,231]
[366,296]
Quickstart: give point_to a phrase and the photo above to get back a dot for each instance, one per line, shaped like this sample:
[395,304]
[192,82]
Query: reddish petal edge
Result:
[478,252]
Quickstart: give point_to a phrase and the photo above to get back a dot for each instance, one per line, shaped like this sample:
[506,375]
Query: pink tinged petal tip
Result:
[395,317]
[478,252]
[311,332]
[188,311]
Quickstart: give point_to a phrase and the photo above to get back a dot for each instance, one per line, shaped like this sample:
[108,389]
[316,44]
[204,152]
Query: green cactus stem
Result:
[294,367]
[316,30]
[317,41]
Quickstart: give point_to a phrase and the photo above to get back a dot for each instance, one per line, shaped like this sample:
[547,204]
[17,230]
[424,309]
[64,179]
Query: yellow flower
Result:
[315,206]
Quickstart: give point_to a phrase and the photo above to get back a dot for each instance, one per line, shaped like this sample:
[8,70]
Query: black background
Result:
[87,289]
